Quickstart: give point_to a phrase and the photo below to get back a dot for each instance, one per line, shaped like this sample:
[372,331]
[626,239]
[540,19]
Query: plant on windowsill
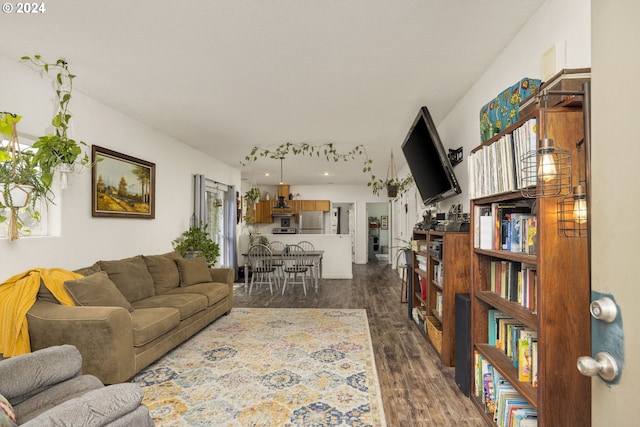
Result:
[57,151]
[196,242]
[21,183]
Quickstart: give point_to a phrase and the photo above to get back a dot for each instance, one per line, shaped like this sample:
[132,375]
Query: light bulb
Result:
[580,209]
[547,166]
[579,204]
[547,169]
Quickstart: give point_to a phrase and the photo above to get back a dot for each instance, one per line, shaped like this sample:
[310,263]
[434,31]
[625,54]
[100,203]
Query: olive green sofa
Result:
[130,312]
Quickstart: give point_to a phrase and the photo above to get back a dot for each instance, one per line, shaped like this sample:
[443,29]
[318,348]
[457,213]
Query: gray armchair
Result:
[47,388]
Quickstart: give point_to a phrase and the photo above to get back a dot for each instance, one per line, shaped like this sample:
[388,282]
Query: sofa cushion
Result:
[214,291]
[131,276]
[193,271]
[88,271]
[96,290]
[44,294]
[150,323]
[187,304]
[164,272]
[7,416]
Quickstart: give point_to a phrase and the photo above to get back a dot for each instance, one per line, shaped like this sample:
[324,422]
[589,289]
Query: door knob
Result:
[604,365]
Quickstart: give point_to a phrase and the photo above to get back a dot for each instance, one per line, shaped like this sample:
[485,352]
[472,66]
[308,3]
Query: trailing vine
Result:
[330,154]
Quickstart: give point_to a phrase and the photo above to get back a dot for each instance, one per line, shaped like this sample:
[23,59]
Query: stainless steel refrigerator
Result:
[311,222]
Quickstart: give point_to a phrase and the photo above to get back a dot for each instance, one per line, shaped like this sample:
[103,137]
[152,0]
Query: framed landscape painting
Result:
[121,186]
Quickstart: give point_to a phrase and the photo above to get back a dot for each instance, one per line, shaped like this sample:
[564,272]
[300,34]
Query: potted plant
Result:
[57,151]
[253,195]
[196,242]
[21,183]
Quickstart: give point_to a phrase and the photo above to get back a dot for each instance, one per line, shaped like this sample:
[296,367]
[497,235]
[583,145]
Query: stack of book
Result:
[518,342]
[508,407]
[516,282]
[506,226]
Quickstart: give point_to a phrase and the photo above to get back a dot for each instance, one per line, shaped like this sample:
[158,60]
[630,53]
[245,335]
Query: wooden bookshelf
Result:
[561,318]
[439,326]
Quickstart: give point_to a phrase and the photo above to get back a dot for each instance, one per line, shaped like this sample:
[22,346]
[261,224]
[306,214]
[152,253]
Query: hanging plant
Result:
[57,151]
[21,184]
[395,187]
[253,195]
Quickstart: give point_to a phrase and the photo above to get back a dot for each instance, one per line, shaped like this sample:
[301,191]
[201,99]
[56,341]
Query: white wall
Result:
[84,239]
[615,201]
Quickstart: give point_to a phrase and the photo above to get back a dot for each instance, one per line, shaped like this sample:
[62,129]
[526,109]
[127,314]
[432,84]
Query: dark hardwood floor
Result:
[416,390]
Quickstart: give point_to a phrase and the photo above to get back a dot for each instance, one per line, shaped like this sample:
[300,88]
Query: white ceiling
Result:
[226,75]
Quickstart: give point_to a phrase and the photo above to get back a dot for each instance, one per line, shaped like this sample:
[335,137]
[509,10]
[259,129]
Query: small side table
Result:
[404,297]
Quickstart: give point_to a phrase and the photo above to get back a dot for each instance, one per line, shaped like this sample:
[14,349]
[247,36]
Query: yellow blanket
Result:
[17,295]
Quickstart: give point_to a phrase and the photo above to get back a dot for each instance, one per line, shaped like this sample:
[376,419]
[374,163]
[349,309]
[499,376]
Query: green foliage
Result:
[196,239]
[252,195]
[326,151]
[18,167]
[401,184]
[55,149]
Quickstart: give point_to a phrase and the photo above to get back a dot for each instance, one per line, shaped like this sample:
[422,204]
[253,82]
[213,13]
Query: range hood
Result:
[282,204]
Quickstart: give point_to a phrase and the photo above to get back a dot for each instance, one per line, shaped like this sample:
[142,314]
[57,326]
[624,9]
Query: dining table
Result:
[315,256]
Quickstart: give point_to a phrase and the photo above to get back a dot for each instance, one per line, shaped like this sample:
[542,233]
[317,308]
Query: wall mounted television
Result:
[428,161]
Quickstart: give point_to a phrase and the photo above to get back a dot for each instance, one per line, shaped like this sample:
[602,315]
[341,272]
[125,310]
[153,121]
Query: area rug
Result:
[269,367]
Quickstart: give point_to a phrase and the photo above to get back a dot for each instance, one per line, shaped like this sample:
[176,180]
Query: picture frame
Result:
[384,222]
[122,186]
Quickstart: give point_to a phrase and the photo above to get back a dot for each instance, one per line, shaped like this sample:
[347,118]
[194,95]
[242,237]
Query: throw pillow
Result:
[96,290]
[7,416]
[130,276]
[193,271]
[164,272]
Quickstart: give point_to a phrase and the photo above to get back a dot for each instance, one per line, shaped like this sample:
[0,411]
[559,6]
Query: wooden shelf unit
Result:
[455,279]
[562,321]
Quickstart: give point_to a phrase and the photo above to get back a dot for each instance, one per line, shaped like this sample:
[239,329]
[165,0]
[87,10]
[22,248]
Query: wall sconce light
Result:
[546,172]
[572,213]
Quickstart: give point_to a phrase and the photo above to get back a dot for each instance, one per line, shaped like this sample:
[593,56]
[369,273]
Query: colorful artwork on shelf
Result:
[503,110]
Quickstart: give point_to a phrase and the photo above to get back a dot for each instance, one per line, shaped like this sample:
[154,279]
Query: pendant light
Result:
[546,171]
[282,204]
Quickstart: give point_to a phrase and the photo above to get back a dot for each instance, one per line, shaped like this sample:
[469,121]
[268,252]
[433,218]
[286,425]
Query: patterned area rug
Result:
[269,367]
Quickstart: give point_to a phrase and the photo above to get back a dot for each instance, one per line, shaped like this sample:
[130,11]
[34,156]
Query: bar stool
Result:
[404,297]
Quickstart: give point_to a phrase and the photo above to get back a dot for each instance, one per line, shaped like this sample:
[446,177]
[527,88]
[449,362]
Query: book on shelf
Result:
[488,394]
[534,362]
[493,316]
[525,356]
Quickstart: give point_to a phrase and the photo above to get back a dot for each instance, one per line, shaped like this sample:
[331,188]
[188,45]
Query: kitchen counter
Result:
[336,262]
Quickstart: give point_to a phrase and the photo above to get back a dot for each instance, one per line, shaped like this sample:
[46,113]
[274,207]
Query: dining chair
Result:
[296,265]
[277,247]
[262,268]
[315,270]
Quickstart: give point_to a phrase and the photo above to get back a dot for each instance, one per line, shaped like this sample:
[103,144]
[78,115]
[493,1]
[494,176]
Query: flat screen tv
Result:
[428,161]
